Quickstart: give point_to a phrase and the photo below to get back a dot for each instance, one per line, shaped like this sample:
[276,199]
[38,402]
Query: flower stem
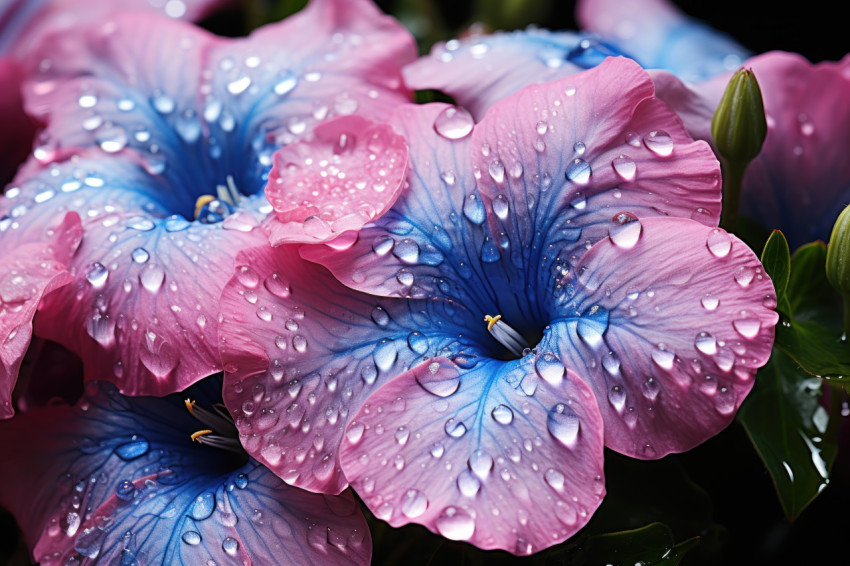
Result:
[733,176]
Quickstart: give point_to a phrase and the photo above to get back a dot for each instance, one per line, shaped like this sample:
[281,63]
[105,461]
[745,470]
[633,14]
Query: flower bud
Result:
[739,126]
[838,254]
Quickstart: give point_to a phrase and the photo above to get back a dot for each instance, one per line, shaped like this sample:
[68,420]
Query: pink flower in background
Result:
[551,282]
[25,24]
[160,137]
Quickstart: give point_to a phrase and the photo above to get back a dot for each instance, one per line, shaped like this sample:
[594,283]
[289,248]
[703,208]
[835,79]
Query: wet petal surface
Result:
[502,455]
[671,351]
[127,484]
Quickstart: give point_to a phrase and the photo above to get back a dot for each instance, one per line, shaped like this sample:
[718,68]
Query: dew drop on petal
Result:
[454,123]
[550,368]
[662,357]
[709,302]
[706,343]
[497,171]
[97,275]
[455,428]
[659,142]
[413,503]
[502,414]
[617,397]
[436,383]
[455,524]
[563,424]
[747,327]
[230,545]
[191,538]
[625,230]
[554,478]
[203,506]
[719,243]
[500,206]
[578,171]
[625,167]
[468,484]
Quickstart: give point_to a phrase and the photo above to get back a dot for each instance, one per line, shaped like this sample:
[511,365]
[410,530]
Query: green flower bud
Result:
[838,254]
[739,126]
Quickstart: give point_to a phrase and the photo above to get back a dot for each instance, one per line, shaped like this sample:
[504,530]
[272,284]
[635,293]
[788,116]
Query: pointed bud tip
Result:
[739,125]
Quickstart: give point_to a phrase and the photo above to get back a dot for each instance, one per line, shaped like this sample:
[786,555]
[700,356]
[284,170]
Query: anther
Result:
[506,335]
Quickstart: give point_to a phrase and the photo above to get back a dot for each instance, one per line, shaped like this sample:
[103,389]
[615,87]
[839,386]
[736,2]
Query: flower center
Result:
[504,334]
[221,432]
[210,209]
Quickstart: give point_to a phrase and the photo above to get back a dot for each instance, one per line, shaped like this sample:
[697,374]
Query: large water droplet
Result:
[111,138]
[747,327]
[97,275]
[454,123]
[497,171]
[554,478]
[437,383]
[663,357]
[455,428]
[230,545]
[659,142]
[136,448]
[468,484]
[617,397]
[455,524]
[152,277]
[191,538]
[473,209]
[706,343]
[719,243]
[625,230]
[563,423]
[709,302]
[625,167]
[550,368]
[578,171]
[203,506]
[413,503]
[285,85]
[503,414]
[500,206]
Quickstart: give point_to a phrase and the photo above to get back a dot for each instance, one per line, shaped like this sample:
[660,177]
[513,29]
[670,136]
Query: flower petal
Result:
[116,479]
[668,321]
[301,351]
[28,272]
[18,128]
[352,172]
[479,70]
[504,455]
[660,36]
[142,308]
[429,243]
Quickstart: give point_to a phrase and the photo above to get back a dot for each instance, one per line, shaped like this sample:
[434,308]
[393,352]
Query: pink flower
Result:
[160,137]
[551,282]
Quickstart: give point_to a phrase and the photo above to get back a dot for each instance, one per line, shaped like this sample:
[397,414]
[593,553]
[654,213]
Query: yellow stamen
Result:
[200,433]
[491,320]
[201,202]
[190,406]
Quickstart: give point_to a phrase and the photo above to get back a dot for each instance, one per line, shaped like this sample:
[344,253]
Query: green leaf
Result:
[791,431]
[652,545]
[811,325]
[776,259]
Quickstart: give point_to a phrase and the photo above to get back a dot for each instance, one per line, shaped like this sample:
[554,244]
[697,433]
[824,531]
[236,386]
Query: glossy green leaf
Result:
[776,259]
[811,325]
[652,545]
[791,431]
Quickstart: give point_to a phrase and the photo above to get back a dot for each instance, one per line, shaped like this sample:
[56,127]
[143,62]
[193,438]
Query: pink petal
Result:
[18,128]
[302,352]
[617,146]
[142,307]
[351,173]
[28,272]
[682,319]
[473,458]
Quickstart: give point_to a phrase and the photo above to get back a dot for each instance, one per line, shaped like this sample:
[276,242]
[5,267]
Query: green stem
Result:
[733,177]
[845,298]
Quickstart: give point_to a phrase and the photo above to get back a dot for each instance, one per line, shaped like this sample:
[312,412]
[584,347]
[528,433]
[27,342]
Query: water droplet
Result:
[481,464]
[550,368]
[578,171]
[489,251]
[719,243]
[455,428]
[500,206]
[747,327]
[140,255]
[744,275]
[264,314]
[163,103]
[497,171]
[417,342]
[380,316]
[437,383]
[617,397]
[611,363]
[709,302]
[724,401]
[136,448]
[203,506]
[625,230]
[191,538]
[663,357]
[299,343]
[277,286]
[90,541]
[407,250]
[413,503]
[473,209]
[706,343]
[285,85]
[111,139]
[659,142]
[579,147]
[625,167]
[152,277]
[97,275]
[554,478]
[455,524]
[468,484]
[230,545]
[542,127]
[125,491]
[563,424]
[454,123]
[238,86]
